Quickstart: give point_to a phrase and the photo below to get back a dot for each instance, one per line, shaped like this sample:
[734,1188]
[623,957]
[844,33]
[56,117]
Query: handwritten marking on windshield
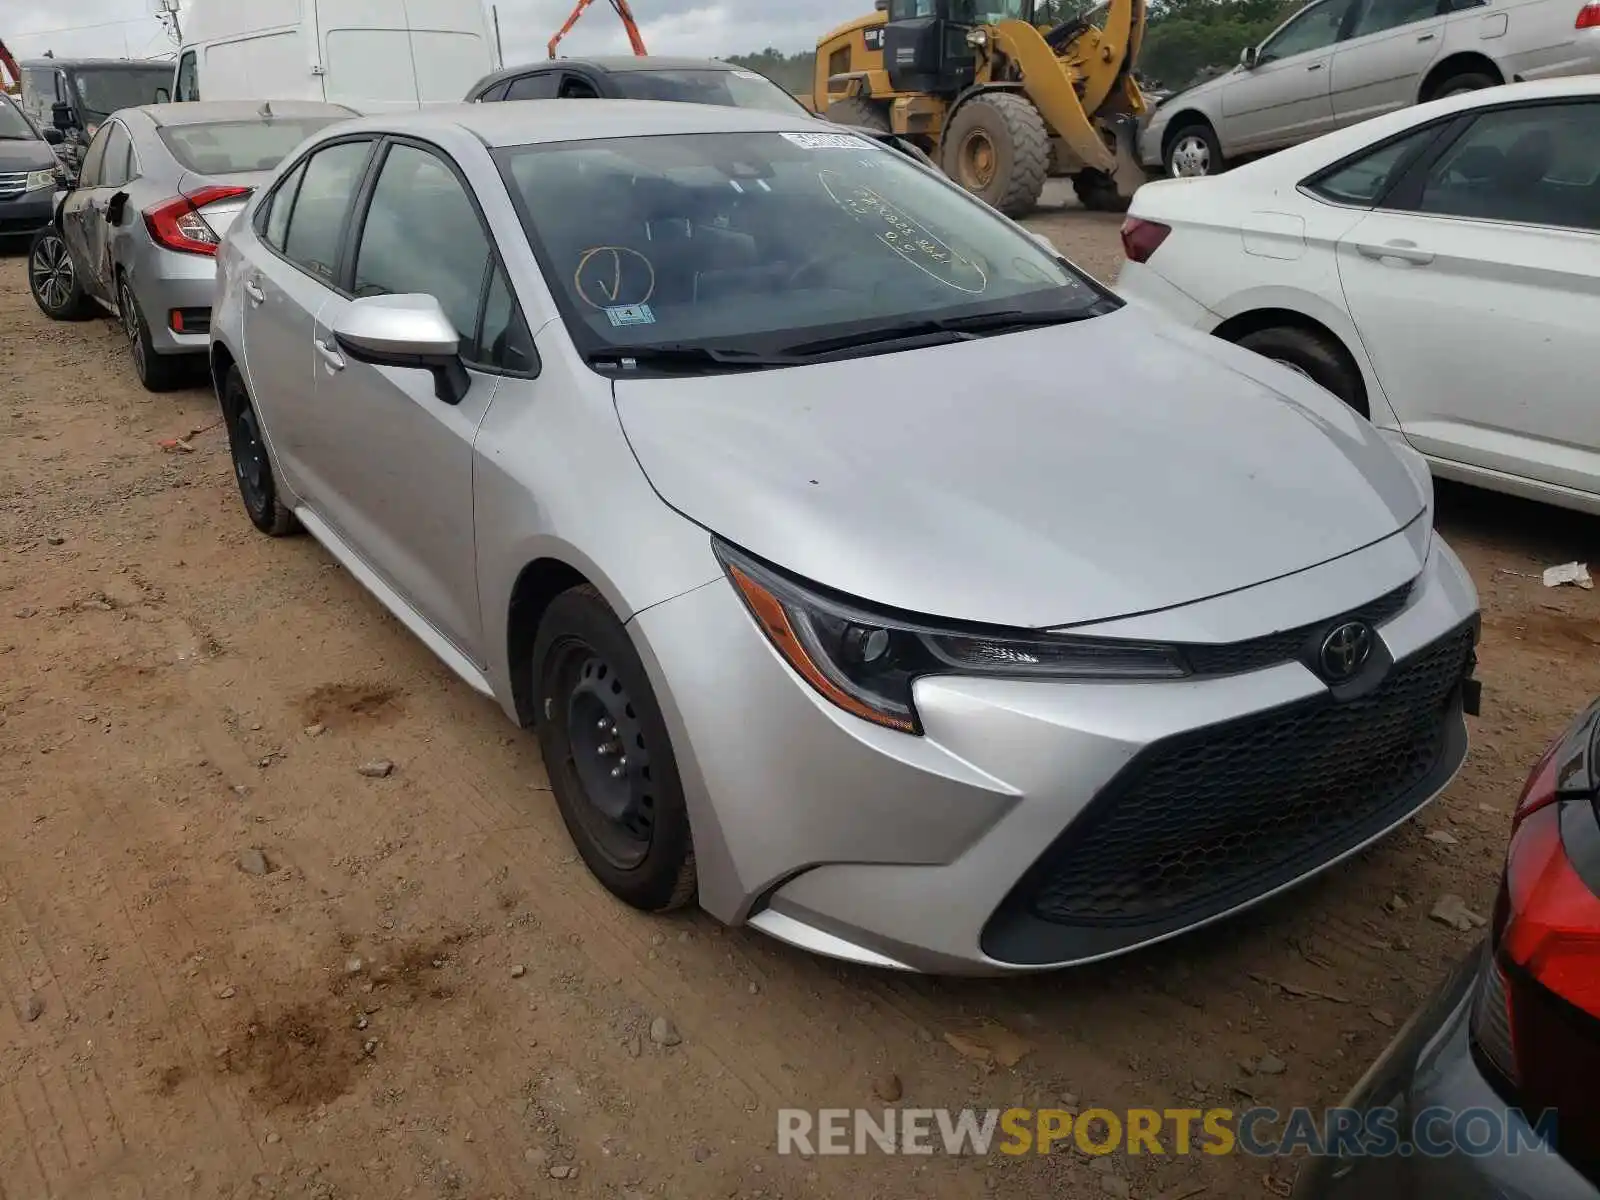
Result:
[905,236]
[602,268]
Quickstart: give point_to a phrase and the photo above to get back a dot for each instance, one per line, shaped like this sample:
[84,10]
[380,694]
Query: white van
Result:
[369,55]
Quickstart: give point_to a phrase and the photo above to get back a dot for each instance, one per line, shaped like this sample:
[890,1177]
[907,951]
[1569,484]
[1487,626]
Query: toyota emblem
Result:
[1345,651]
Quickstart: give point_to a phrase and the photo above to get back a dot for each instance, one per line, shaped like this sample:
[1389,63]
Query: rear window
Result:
[234,147]
[730,89]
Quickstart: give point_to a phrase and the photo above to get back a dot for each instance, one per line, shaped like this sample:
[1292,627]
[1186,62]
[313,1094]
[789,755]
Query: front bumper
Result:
[900,851]
[165,282]
[1430,1065]
[1151,132]
[27,213]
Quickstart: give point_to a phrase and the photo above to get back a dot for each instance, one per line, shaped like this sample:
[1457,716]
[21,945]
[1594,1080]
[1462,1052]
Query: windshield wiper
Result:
[1018,318]
[943,329]
[688,360]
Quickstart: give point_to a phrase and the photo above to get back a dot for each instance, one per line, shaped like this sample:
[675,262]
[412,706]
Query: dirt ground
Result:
[232,965]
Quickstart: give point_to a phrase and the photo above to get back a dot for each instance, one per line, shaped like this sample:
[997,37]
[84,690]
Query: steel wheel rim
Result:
[51,271]
[607,756]
[250,460]
[1191,157]
[978,160]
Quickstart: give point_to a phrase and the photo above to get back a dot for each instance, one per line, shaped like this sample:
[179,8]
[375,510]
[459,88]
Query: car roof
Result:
[610,64]
[527,122]
[207,112]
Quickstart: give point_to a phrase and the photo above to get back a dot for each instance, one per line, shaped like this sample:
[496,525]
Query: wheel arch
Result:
[221,361]
[1256,319]
[1461,63]
[977,90]
[1181,121]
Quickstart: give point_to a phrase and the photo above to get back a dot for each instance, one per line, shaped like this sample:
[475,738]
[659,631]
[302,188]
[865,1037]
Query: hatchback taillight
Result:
[1141,238]
[1588,16]
[179,224]
[1536,1015]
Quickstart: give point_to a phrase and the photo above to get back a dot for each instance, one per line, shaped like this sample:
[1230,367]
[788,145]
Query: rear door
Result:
[1284,98]
[1379,67]
[1476,291]
[293,273]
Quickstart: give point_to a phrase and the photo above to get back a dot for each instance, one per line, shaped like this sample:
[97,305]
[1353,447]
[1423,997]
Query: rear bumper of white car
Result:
[1148,288]
[1045,824]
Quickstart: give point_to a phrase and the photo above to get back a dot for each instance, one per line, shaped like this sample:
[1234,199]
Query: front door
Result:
[1379,66]
[288,280]
[79,207]
[1478,302]
[396,461]
[1284,98]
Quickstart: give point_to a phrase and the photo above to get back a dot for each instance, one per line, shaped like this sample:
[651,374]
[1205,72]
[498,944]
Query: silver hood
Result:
[1063,475]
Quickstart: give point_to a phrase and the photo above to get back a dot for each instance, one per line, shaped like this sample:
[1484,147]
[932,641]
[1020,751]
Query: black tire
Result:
[1314,355]
[998,147]
[1098,192]
[53,278]
[1192,150]
[1466,81]
[618,788]
[252,466]
[157,372]
[853,110]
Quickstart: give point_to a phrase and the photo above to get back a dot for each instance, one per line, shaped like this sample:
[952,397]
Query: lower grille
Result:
[1206,821]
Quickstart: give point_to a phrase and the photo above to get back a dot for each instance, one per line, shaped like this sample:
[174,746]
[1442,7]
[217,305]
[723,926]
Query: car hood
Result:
[1058,476]
[26,156]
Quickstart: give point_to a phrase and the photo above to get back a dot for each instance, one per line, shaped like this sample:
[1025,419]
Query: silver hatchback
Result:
[734,455]
[137,237]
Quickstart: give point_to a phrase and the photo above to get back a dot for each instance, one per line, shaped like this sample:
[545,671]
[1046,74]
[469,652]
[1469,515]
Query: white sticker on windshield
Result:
[631,314]
[748,75]
[827,141]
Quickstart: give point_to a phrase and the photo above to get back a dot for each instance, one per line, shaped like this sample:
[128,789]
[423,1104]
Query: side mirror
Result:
[163,96]
[1248,57]
[61,115]
[409,332]
[54,136]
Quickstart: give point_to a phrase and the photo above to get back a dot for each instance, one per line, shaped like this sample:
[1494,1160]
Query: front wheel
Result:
[998,147]
[609,756]
[53,278]
[1193,151]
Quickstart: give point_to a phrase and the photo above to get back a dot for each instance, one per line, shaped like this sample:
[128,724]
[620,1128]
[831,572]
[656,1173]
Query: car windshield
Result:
[232,147]
[14,126]
[731,89]
[103,92]
[762,241]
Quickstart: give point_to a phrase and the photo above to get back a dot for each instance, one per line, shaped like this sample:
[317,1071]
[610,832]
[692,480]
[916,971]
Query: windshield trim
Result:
[590,346]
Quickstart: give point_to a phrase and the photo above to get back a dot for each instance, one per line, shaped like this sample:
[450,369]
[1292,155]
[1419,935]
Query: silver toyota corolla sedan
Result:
[137,237]
[867,571]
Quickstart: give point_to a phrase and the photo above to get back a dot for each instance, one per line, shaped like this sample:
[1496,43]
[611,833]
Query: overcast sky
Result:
[124,27]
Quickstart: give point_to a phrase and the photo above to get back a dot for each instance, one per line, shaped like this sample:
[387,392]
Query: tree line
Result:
[1184,39]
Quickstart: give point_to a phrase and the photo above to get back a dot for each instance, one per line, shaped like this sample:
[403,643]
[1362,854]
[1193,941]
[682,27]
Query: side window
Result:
[1316,28]
[423,235]
[504,342]
[1364,180]
[114,171]
[495,94]
[94,161]
[1538,165]
[188,77]
[316,226]
[279,206]
[575,87]
[534,87]
[1378,15]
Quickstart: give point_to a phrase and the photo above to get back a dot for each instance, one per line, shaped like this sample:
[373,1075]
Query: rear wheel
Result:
[1098,192]
[853,110]
[998,148]
[1467,81]
[252,466]
[609,756]
[158,372]
[54,280]
[1313,355]
[1193,150]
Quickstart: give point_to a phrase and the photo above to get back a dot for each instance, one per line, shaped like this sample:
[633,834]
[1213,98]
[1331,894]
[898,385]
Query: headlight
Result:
[41,179]
[867,662]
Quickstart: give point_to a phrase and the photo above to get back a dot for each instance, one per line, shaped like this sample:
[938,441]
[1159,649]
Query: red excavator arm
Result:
[634,36]
[12,71]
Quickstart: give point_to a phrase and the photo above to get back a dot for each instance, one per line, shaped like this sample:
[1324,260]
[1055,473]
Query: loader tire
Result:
[1098,192]
[853,110]
[998,148]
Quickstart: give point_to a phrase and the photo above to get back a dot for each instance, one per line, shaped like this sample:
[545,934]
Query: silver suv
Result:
[1337,62]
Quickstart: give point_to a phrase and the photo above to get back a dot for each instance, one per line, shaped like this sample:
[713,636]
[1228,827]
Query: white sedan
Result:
[1438,269]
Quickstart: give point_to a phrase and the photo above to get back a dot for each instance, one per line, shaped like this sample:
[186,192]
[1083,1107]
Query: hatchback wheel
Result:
[609,757]
[53,279]
[158,372]
[252,466]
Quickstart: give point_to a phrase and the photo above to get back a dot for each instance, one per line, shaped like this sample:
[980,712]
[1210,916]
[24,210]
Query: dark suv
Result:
[74,95]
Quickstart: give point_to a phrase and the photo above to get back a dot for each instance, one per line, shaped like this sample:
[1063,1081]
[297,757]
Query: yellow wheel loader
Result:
[997,101]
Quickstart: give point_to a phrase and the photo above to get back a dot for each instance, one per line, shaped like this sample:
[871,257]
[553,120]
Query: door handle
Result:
[330,356]
[257,296]
[1402,250]
[1314,67]
[1425,37]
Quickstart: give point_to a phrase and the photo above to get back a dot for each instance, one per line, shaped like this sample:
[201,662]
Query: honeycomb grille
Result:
[1208,820]
[1235,658]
